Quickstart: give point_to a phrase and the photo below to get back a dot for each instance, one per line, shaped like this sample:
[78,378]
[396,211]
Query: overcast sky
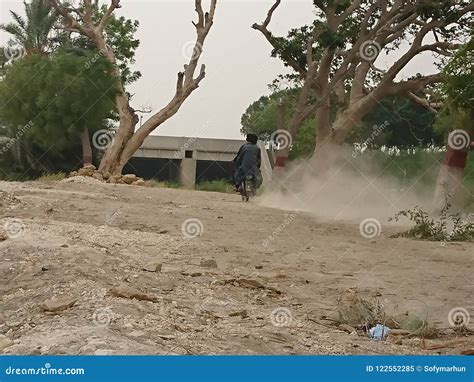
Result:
[237,58]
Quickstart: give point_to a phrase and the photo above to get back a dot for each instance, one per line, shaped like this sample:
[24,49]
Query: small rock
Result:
[166,336]
[129,178]
[241,313]
[58,304]
[139,182]
[5,342]
[3,236]
[87,349]
[98,176]
[103,352]
[259,267]
[114,179]
[399,332]
[45,268]
[196,274]
[136,334]
[86,170]
[130,293]
[152,267]
[64,245]
[347,328]
[209,263]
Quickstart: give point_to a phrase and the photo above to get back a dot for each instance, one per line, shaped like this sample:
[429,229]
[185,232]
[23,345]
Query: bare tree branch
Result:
[423,102]
[413,85]
[114,4]
[203,26]
[270,13]
[70,22]
[350,9]
[263,28]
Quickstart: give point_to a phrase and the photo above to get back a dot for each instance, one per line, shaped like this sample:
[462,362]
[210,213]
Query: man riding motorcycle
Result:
[248,162]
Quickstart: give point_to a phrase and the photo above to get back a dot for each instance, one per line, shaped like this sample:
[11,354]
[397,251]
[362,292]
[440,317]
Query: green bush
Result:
[165,184]
[421,167]
[216,186]
[52,177]
[448,227]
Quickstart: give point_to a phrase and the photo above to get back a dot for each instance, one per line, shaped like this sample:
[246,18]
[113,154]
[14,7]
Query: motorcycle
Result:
[248,187]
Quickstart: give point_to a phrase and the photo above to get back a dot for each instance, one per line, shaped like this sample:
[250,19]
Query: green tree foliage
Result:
[48,100]
[119,33]
[293,47]
[458,91]
[402,123]
[61,93]
[261,118]
[32,32]
[459,86]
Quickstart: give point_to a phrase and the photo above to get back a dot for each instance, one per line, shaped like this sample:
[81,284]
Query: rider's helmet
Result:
[252,138]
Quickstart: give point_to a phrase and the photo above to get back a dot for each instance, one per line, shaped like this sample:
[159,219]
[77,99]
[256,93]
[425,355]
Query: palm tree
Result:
[32,32]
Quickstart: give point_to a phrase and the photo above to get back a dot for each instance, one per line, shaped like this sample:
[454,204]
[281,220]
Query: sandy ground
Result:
[277,273]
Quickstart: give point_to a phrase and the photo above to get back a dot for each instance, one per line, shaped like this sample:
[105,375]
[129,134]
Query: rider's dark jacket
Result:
[248,162]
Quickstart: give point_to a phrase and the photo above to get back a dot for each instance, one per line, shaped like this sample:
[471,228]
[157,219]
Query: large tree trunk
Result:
[86,148]
[447,189]
[128,118]
[126,140]
[331,135]
[447,184]
[134,142]
[282,154]
[111,162]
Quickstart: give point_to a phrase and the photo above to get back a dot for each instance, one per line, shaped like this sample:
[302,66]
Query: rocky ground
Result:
[94,268]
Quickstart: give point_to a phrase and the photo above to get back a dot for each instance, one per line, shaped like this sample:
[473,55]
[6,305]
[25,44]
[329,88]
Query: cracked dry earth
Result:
[83,275]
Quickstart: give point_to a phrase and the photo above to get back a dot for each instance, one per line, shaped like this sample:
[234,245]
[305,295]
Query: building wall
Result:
[168,169]
[154,168]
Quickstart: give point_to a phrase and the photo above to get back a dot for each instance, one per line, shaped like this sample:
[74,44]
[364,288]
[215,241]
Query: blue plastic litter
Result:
[379,332]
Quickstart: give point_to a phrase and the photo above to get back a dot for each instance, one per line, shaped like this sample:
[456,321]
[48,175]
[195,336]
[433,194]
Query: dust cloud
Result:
[352,189]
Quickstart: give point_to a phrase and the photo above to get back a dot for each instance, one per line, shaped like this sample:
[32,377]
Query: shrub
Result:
[448,227]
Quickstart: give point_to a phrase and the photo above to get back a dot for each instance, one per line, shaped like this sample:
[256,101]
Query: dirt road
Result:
[276,273]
